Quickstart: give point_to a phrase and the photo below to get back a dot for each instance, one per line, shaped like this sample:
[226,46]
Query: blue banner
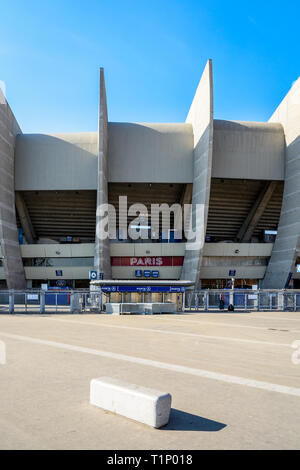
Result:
[142,289]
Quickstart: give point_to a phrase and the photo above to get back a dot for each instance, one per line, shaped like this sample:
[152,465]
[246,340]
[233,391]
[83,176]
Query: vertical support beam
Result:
[283,257]
[231,297]
[102,253]
[255,302]
[187,194]
[9,241]
[11,301]
[280,301]
[206,301]
[246,231]
[71,302]
[200,116]
[24,217]
[42,301]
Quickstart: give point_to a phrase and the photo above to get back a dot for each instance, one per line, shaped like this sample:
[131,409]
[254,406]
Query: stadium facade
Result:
[245,177]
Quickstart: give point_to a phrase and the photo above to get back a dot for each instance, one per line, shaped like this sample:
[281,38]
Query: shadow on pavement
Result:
[182,421]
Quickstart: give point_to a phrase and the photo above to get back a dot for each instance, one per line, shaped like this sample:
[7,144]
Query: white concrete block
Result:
[142,308]
[141,404]
[166,307]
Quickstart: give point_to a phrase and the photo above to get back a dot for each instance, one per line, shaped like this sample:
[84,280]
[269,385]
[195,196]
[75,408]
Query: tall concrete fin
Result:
[282,261]
[201,117]
[11,252]
[102,254]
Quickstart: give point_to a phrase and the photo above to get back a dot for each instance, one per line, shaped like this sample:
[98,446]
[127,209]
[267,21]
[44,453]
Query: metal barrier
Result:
[90,302]
[219,299]
[51,301]
[86,301]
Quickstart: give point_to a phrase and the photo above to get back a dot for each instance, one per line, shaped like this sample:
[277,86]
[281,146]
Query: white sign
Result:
[32,296]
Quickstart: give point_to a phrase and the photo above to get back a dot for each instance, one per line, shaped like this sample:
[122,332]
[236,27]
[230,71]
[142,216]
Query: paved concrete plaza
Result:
[231,377]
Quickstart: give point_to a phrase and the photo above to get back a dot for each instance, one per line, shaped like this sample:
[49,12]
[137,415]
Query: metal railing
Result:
[40,301]
[220,299]
[86,301]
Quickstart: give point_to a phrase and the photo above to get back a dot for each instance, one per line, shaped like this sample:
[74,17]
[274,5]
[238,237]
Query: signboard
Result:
[93,275]
[61,283]
[232,272]
[298,268]
[58,273]
[143,289]
[32,296]
[147,261]
[141,273]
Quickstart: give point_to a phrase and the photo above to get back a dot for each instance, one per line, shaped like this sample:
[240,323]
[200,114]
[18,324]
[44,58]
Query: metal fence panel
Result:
[267,300]
[289,301]
[26,302]
[85,301]
[298,301]
[90,302]
[56,301]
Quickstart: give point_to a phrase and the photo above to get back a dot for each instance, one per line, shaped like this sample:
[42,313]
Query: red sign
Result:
[147,261]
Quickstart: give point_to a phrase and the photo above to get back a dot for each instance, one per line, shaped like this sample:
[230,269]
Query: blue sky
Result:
[153,53]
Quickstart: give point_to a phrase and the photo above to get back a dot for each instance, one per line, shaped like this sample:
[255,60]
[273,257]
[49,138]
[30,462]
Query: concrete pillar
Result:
[12,259]
[283,257]
[201,118]
[102,253]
